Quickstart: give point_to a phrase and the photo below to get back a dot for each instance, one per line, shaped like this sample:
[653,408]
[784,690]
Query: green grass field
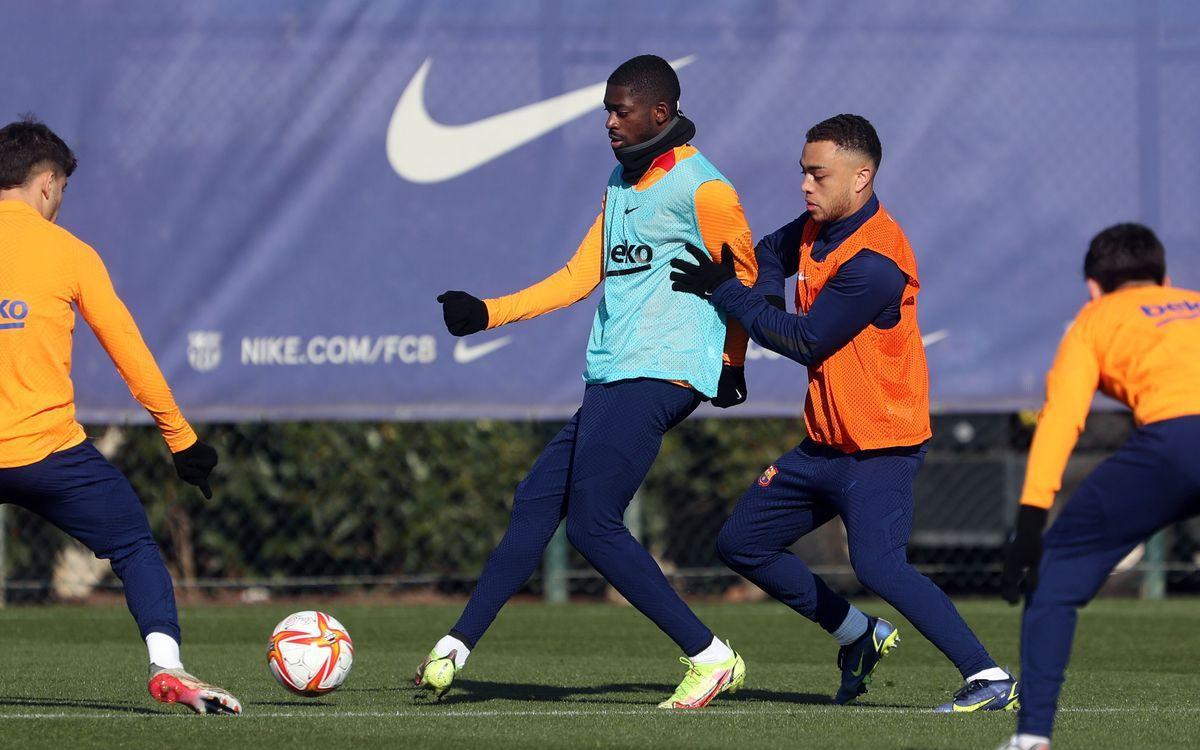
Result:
[585,675]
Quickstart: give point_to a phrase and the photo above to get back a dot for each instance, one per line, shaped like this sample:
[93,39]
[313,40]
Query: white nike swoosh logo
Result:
[930,339]
[425,151]
[465,352]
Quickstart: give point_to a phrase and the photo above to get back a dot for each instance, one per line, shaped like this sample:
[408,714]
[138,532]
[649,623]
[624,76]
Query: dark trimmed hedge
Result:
[366,499]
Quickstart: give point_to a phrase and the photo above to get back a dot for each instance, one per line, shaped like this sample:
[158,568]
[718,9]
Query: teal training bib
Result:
[644,329]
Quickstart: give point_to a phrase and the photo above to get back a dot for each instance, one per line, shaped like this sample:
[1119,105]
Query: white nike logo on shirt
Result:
[423,150]
[465,352]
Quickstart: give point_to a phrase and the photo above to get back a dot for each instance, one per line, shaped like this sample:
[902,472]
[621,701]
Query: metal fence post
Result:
[1154,576]
[554,568]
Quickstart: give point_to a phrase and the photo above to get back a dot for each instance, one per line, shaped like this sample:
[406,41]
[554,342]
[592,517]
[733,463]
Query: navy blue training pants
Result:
[1151,482]
[81,493]
[588,475]
[872,492]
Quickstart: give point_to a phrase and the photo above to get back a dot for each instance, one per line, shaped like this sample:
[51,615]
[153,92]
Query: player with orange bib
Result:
[1138,341]
[867,415]
[47,464]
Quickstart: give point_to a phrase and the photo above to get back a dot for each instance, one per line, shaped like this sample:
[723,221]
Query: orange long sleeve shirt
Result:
[721,220]
[1139,345]
[44,271]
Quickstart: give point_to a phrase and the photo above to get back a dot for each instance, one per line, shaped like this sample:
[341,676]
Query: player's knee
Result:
[524,493]
[735,550]
[583,534]
[876,572]
[576,533]
[532,517]
[1073,586]
[596,535]
[139,550]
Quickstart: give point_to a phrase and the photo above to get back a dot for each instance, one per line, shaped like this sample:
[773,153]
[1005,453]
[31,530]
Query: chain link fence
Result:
[979,107]
[415,508]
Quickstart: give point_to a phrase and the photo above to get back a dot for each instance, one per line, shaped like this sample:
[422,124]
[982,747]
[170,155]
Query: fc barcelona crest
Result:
[767,476]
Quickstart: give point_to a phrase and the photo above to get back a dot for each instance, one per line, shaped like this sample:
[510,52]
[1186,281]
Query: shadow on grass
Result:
[633,694]
[33,702]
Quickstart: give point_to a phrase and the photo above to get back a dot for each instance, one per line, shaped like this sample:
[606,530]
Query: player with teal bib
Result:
[653,357]
[641,329]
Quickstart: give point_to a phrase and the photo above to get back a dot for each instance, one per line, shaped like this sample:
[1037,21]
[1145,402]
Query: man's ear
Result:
[863,178]
[662,113]
[45,182]
[1094,290]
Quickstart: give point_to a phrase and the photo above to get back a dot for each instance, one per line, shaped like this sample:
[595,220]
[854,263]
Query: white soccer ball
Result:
[310,653]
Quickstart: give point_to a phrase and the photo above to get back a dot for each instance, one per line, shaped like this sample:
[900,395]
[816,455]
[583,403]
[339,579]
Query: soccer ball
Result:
[310,653]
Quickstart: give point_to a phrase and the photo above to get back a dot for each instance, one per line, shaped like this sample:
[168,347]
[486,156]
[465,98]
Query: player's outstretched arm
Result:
[863,288]
[465,314]
[1070,387]
[117,332]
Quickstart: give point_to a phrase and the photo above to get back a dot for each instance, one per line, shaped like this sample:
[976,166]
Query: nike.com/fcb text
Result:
[339,350]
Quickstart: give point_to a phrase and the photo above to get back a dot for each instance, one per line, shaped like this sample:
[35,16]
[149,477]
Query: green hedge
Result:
[365,499]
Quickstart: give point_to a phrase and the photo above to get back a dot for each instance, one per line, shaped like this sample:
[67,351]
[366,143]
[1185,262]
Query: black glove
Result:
[731,389]
[702,279]
[194,464]
[464,313]
[1023,554]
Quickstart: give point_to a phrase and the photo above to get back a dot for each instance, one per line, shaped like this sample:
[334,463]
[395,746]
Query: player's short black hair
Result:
[649,78]
[28,144]
[1125,252]
[852,132]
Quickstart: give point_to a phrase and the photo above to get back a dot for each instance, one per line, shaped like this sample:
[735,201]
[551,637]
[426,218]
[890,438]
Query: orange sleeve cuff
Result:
[181,438]
[566,286]
[722,222]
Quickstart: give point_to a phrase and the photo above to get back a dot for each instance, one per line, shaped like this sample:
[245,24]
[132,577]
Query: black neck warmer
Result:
[637,159]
